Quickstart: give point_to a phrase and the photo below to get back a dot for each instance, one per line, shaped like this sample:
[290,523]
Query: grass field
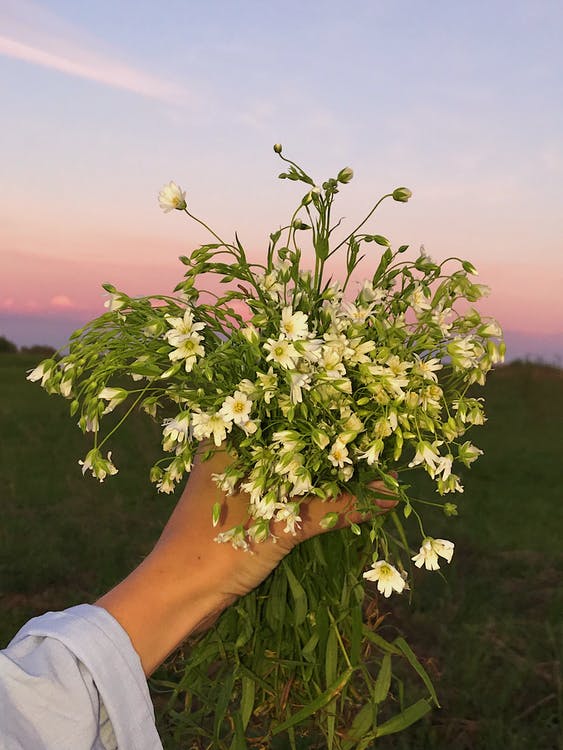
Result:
[491,635]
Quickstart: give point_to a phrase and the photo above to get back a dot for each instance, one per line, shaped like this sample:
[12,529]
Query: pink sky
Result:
[98,115]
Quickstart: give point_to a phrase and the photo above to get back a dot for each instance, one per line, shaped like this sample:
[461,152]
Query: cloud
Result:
[61,301]
[35,35]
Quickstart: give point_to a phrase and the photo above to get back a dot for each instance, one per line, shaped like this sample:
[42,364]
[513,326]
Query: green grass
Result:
[491,634]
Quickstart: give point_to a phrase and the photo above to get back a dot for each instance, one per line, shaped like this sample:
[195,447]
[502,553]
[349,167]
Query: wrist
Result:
[163,601]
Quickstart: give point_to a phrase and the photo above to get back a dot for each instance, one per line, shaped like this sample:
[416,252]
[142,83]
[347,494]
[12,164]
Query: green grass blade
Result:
[383,681]
[417,666]
[403,720]
[298,594]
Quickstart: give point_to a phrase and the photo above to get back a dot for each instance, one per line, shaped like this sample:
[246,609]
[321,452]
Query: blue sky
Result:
[104,102]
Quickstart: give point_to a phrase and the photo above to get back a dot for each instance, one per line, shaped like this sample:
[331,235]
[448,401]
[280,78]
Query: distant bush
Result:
[7,346]
[41,351]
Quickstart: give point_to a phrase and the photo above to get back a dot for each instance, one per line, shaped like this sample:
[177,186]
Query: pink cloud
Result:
[61,301]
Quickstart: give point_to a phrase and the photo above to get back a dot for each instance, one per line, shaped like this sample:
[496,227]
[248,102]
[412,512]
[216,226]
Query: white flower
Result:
[166,485]
[427,454]
[236,408]
[418,300]
[99,466]
[444,466]
[182,329]
[114,395]
[338,455]
[369,293]
[294,325]
[171,196]
[249,427]
[269,383]
[431,548]
[189,350]
[371,455]
[490,329]
[467,453]
[302,482]
[291,440]
[116,301]
[288,512]
[235,536]
[388,578]
[360,349]
[464,352]
[298,381]
[41,372]
[65,386]
[271,284]
[357,313]
[427,368]
[176,430]
[281,351]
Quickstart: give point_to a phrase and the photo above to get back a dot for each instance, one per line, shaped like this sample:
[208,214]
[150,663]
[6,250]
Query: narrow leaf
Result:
[406,650]
[405,718]
[383,681]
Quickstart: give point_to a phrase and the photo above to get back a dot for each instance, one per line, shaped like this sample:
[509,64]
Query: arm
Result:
[188,579]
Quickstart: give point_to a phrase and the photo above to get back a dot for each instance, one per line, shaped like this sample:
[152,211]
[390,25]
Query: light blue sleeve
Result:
[71,680]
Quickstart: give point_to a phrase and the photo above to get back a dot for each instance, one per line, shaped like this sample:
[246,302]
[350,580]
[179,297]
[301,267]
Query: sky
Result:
[103,103]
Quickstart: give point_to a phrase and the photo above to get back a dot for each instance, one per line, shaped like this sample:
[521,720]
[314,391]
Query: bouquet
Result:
[313,388]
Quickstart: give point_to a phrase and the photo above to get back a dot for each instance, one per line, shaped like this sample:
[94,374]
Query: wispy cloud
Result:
[35,35]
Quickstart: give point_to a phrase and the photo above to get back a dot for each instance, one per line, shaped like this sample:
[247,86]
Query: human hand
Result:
[189,579]
[238,572]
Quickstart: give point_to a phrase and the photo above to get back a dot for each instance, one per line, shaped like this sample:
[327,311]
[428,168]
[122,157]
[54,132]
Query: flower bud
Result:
[345,175]
[298,224]
[380,240]
[468,267]
[329,521]
[401,194]
[278,148]
[490,329]
[216,514]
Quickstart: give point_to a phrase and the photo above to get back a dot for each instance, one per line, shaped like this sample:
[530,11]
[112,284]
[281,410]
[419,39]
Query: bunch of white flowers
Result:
[314,392]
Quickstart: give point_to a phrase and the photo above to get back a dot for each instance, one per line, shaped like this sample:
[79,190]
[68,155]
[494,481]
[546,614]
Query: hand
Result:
[189,579]
[190,525]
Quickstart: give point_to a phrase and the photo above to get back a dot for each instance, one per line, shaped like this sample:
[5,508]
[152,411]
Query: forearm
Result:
[164,600]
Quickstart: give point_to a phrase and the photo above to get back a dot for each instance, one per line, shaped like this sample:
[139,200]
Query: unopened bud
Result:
[345,175]
[381,240]
[401,194]
[278,148]
[468,267]
[329,520]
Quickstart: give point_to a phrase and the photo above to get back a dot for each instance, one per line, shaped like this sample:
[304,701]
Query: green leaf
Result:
[383,681]
[405,718]
[308,649]
[381,642]
[406,650]
[362,724]
[247,699]
[222,702]
[298,594]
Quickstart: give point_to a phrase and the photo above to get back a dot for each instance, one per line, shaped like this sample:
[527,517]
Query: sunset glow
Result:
[105,103]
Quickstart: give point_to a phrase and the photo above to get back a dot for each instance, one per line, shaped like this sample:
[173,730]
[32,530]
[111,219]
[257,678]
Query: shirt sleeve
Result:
[72,680]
